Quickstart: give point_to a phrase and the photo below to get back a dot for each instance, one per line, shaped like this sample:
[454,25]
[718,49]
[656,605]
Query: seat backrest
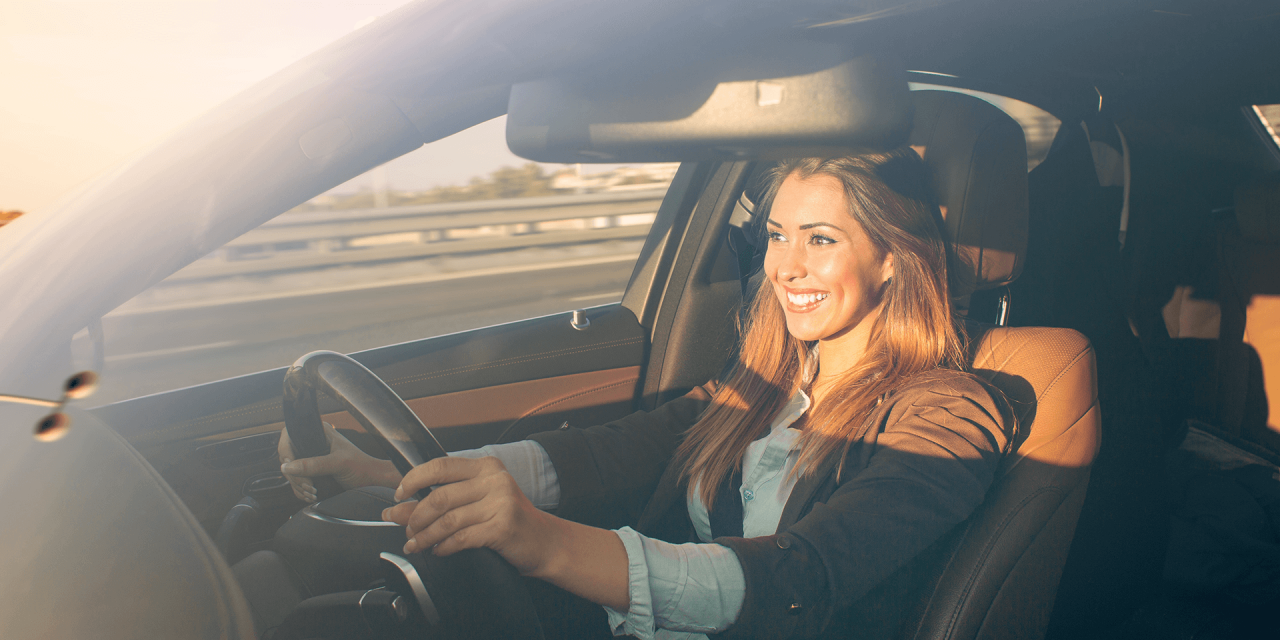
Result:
[996,575]
[1252,271]
[1071,279]
[999,573]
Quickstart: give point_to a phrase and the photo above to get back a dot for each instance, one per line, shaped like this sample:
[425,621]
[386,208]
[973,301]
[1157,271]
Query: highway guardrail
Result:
[312,240]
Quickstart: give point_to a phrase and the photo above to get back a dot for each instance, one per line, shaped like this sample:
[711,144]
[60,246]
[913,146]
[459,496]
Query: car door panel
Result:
[477,387]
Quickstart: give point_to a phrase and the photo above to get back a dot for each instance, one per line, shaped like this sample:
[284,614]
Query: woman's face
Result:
[827,274]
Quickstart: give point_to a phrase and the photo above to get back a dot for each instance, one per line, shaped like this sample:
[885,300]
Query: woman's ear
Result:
[886,269]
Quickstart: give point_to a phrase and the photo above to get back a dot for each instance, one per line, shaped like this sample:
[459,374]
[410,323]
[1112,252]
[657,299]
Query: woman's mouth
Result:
[801,302]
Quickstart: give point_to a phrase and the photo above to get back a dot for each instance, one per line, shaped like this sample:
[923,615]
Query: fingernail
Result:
[384,515]
[288,467]
[399,493]
[411,546]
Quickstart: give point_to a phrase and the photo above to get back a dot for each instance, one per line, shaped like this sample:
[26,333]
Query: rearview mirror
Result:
[855,105]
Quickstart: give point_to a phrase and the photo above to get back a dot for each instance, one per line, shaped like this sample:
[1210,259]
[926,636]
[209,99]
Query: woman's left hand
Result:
[476,503]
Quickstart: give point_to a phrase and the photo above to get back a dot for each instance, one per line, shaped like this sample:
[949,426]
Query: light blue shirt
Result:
[681,590]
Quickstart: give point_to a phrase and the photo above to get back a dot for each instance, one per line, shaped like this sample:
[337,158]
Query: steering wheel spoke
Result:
[484,586]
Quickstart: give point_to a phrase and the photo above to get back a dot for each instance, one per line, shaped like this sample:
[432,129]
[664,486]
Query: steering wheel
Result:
[465,577]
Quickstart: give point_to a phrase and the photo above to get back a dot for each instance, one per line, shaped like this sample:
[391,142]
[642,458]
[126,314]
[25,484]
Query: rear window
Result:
[1269,115]
[1038,125]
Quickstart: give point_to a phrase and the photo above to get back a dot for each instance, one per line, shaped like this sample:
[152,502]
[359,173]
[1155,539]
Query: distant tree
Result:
[508,182]
[526,181]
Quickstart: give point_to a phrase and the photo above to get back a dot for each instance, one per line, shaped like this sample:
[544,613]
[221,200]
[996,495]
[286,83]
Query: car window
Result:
[457,235]
[1269,116]
[1038,126]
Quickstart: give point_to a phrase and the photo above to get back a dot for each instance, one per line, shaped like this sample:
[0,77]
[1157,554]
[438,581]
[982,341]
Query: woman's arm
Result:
[618,464]
[691,587]
[530,466]
[643,583]
[526,460]
[350,466]
[478,504]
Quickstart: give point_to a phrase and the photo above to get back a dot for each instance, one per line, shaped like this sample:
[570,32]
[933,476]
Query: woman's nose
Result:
[791,264]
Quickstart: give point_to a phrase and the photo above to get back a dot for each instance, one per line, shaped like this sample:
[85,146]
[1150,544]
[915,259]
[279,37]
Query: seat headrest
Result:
[977,160]
[1258,210]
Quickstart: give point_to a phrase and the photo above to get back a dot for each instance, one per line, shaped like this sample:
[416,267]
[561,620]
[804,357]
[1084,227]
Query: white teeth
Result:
[805,299]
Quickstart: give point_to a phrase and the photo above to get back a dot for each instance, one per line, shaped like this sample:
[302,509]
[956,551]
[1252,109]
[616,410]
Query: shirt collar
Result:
[810,368]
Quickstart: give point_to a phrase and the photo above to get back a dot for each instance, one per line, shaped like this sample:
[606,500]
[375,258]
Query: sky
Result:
[86,84]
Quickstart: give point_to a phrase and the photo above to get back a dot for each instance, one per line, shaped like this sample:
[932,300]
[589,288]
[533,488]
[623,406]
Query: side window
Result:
[457,235]
[1269,116]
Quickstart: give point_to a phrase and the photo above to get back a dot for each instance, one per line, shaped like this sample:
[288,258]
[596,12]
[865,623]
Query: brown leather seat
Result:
[1251,313]
[1001,576]
[997,574]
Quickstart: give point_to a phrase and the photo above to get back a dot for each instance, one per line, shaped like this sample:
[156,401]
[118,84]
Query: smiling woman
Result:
[825,270]
[857,265]
[847,417]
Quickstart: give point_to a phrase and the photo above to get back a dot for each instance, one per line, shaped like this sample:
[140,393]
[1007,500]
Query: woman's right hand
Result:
[350,466]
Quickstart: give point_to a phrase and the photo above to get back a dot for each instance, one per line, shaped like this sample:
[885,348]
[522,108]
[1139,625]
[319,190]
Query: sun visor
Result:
[856,104]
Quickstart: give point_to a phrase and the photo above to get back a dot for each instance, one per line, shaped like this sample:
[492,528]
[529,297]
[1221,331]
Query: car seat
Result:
[1250,253]
[996,575]
[1077,220]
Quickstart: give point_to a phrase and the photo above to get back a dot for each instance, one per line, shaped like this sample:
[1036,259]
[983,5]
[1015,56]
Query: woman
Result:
[845,440]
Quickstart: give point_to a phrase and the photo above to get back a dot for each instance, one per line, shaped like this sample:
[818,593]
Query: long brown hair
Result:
[914,332]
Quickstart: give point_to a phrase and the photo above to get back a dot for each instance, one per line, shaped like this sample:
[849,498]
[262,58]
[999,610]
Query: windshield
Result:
[417,75]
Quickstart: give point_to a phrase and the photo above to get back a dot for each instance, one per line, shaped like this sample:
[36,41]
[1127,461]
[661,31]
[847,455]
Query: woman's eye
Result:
[821,239]
[774,236]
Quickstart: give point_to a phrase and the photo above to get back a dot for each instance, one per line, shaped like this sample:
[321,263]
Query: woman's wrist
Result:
[586,561]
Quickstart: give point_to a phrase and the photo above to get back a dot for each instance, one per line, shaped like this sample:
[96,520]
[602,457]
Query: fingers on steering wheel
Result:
[458,529]
[442,471]
[443,501]
[303,490]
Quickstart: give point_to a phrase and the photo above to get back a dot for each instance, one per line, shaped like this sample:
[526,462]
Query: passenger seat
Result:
[1077,210]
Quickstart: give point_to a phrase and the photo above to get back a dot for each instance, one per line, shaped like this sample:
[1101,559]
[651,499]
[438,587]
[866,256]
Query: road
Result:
[178,345]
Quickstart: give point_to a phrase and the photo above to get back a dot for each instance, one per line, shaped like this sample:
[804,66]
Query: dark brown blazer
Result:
[922,464]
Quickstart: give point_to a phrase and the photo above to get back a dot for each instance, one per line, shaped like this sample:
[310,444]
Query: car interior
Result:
[1119,294]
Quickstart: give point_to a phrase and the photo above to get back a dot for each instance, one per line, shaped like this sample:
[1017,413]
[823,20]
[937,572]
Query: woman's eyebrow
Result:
[811,225]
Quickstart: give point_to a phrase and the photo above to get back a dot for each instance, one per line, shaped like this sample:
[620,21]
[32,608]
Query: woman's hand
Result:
[350,466]
[476,503]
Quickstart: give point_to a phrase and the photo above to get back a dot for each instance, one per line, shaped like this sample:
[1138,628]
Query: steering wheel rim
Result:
[365,397]
[408,441]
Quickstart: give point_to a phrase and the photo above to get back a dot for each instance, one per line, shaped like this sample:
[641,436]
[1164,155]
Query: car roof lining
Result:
[1138,54]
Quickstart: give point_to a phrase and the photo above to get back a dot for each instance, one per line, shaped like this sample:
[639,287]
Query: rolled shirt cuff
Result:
[531,467]
[678,590]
